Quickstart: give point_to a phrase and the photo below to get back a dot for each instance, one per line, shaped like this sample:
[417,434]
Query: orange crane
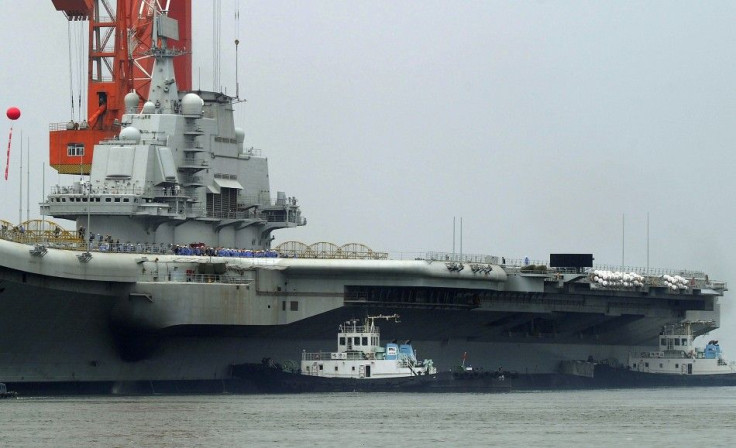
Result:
[118,62]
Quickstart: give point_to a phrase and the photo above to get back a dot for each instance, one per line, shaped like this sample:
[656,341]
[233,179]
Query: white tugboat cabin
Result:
[678,356]
[360,355]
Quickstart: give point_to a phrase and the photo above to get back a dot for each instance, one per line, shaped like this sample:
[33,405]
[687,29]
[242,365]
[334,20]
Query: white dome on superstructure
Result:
[239,135]
[131,102]
[192,104]
[149,108]
[130,133]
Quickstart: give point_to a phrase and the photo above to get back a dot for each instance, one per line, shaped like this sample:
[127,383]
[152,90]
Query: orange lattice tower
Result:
[118,62]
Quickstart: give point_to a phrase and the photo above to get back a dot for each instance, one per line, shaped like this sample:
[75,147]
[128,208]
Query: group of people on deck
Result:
[201,249]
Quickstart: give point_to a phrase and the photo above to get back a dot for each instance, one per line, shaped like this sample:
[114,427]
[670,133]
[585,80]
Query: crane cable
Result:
[75,42]
[71,76]
[80,72]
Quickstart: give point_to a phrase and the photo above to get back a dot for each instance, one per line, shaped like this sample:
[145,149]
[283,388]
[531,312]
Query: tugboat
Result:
[677,362]
[678,356]
[360,363]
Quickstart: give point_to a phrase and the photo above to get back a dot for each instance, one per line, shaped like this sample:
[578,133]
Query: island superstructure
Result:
[169,276]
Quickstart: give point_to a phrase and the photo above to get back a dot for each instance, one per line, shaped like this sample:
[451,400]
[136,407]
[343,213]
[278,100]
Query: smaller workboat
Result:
[360,363]
[5,393]
[467,378]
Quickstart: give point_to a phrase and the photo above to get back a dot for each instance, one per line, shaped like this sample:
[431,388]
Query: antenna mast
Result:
[237,41]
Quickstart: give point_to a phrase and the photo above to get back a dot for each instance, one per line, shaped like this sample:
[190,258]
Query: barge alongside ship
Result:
[115,306]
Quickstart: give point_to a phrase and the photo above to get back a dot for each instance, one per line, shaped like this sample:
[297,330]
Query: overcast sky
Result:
[541,124]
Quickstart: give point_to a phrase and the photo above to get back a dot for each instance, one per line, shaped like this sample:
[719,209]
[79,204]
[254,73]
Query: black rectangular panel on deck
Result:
[571,260]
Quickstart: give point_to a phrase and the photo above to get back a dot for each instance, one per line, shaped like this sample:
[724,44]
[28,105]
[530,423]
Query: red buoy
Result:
[13,113]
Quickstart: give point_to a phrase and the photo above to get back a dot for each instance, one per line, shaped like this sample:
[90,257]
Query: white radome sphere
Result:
[130,133]
[149,108]
[131,102]
[192,104]
[240,135]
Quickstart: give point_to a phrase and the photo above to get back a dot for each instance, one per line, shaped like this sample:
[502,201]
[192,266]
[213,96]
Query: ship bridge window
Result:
[108,199]
[663,341]
[342,340]
[365,340]
[677,342]
[356,340]
[126,199]
[684,341]
[75,149]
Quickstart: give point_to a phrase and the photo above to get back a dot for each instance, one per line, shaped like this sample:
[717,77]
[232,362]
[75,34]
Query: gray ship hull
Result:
[67,340]
[124,323]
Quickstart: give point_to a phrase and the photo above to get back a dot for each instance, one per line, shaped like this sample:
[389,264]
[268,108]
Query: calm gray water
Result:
[630,418]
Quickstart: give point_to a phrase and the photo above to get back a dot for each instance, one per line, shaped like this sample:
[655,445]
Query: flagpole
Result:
[28,178]
[43,193]
[20,202]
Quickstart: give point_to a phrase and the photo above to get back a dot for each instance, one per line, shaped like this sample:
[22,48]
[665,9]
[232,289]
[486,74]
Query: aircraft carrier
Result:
[169,278]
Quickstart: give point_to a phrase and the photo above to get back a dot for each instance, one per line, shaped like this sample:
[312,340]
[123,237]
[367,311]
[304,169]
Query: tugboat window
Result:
[684,341]
[356,340]
[365,340]
[294,305]
[646,364]
[677,342]
[342,340]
